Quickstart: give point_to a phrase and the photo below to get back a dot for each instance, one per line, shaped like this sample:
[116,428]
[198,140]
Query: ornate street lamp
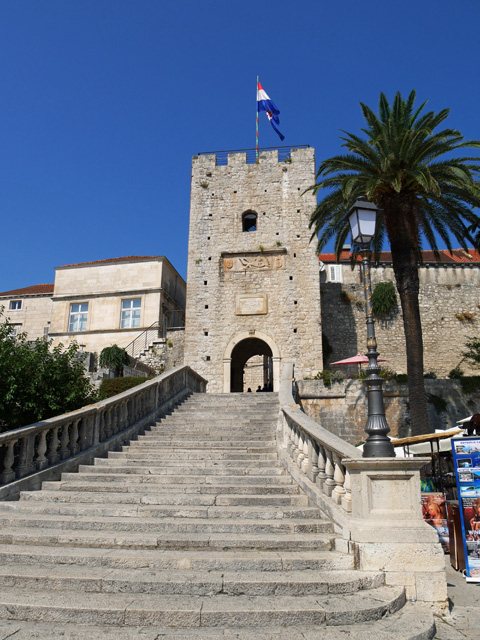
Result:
[363,217]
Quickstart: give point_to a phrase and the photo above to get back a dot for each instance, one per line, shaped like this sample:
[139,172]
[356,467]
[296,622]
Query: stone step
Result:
[199,463]
[105,484]
[410,623]
[99,474]
[132,540]
[212,443]
[176,445]
[186,582]
[160,510]
[195,611]
[105,465]
[188,454]
[192,522]
[178,560]
[90,497]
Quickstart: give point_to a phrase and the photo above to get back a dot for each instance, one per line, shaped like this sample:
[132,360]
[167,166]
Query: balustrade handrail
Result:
[314,455]
[43,444]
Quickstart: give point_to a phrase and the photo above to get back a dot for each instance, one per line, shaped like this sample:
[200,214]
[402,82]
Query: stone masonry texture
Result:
[261,284]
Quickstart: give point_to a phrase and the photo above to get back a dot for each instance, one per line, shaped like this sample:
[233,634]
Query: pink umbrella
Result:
[358,359]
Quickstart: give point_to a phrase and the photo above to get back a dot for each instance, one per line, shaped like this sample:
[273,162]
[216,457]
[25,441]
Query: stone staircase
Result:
[194,531]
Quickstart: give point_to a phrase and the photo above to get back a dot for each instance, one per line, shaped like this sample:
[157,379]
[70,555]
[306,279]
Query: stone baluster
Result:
[65,441]
[304,465]
[339,477]
[347,498]
[300,455]
[74,446]
[25,456]
[322,461]
[82,441]
[329,482]
[290,437]
[8,474]
[52,455]
[296,440]
[312,471]
[41,461]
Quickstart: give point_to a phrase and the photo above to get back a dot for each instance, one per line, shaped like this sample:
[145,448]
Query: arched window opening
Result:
[249,221]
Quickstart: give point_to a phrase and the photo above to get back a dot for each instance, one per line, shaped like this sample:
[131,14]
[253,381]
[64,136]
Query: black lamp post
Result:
[363,217]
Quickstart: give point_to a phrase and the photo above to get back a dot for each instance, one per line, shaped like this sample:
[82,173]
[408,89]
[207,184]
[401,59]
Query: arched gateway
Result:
[239,350]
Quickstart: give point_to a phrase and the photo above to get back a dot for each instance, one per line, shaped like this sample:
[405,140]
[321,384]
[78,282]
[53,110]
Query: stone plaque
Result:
[251,304]
[254,262]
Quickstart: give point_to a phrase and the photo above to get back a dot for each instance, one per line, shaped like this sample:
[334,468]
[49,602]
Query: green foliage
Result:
[329,376]
[401,378]
[39,381]
[114,358]
[169,343]
[384,298]
[470,384]
[473,351]
[111,386]
[430,375]
[323,375]
[439,403]
[427,189]
[456,373]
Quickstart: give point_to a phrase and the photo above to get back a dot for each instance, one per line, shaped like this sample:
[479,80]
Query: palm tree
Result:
[424,191]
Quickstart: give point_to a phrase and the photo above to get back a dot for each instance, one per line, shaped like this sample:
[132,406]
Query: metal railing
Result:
[157,330]
[284,153]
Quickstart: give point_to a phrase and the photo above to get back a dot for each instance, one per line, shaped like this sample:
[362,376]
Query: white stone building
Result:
[112,301]
[29,309]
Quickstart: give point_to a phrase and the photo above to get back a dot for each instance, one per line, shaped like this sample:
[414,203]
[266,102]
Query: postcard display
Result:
[466,458]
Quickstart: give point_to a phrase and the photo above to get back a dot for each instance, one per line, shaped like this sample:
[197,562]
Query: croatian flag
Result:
[265,104]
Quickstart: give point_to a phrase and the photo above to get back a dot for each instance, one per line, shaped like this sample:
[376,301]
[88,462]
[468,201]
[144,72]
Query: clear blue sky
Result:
[104,102]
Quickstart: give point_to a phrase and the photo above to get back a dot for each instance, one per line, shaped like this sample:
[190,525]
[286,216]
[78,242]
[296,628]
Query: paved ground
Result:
[464,619]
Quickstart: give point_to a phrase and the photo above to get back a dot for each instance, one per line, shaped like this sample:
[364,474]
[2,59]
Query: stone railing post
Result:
[387,528]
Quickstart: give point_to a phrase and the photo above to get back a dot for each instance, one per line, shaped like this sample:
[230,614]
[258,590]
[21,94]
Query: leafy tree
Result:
[424,191]
[38,381]
[115,358]
[473,351]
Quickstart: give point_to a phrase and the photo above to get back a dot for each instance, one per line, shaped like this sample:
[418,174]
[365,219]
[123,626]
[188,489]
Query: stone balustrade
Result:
[42,451]
[373,503]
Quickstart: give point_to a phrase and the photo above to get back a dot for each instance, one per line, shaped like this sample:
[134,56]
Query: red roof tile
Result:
[457,256]
[110,260]
[29,291]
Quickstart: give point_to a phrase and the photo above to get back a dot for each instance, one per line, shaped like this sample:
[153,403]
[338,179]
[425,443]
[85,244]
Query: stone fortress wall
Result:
[446,294]
[260,284]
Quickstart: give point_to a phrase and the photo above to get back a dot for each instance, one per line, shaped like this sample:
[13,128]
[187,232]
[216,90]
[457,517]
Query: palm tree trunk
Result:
[405,267]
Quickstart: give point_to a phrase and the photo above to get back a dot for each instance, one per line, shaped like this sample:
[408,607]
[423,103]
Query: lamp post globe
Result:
[362,218]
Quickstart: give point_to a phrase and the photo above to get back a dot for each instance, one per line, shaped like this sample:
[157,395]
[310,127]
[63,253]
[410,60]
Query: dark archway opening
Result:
[249,350]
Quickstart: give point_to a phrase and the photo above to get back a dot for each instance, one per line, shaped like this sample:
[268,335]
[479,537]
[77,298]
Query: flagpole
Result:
[256,148]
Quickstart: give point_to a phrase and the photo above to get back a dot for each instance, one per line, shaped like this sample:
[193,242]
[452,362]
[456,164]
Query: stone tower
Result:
[253,278]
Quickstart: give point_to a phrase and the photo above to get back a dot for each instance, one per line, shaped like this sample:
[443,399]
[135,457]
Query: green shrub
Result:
[456,374]
[384,298]
[325,376]
[337,376]
[114,358]
[470,384]
[388,374]
[111,386]
[401,378]
[430,375]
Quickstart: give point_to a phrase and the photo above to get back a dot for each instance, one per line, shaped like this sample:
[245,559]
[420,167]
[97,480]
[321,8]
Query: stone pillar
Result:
[387,529]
